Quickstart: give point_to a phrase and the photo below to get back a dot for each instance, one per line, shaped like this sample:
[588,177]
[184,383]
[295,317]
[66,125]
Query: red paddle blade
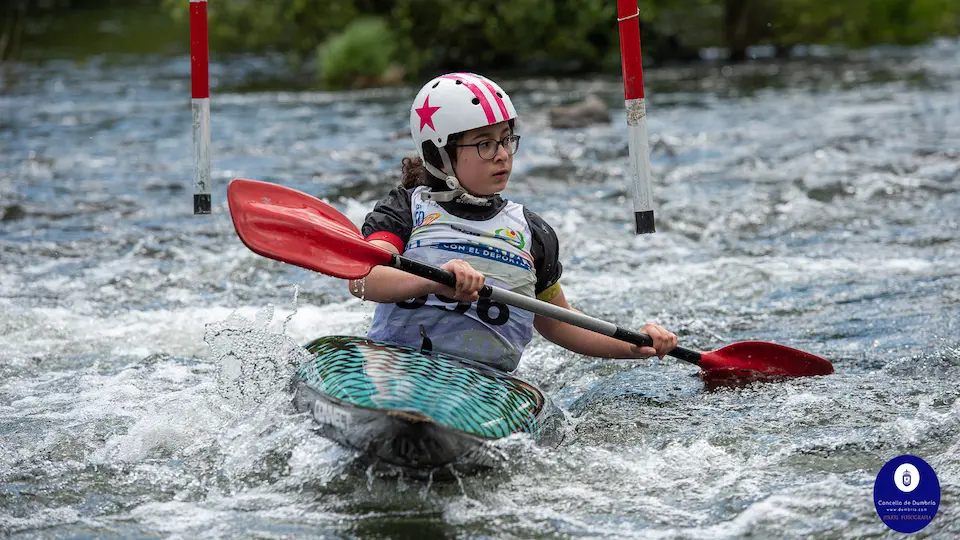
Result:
[293,227]
[758,360]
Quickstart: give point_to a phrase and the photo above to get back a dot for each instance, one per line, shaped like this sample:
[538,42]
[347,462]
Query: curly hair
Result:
[414,173]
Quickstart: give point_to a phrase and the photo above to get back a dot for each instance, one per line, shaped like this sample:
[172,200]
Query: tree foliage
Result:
[359,56]
[433,35]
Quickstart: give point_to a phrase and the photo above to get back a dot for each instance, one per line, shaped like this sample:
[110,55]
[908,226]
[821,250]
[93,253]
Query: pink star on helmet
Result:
[426,114]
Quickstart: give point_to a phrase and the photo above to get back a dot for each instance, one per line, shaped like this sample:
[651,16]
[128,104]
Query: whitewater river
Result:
[813,203]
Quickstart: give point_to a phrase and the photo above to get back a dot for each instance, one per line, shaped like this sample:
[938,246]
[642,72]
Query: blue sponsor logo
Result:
[485,252]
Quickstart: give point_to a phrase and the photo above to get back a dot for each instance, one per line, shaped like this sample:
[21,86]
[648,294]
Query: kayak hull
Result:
[416,410]
[401,440]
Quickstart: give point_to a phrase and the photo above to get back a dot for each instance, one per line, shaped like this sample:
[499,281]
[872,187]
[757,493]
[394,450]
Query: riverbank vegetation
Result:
[354,43]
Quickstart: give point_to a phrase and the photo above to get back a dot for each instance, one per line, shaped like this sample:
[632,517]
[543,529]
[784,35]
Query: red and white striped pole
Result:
[200,105]
[628,19]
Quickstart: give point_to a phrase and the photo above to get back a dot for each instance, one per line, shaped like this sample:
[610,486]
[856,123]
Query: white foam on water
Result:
[805,508]
[163,422]
[173,423]
[177,332]
[357,211]
[633,482]
[729,273]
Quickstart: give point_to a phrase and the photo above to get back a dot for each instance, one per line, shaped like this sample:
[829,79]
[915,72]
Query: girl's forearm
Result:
[588,342]
[387,285]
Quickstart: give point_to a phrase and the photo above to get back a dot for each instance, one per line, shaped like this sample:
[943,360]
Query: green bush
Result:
[292,26]
[360,56]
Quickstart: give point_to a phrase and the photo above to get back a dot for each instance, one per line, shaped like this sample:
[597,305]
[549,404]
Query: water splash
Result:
[253,362]
[359,288]
[296,297]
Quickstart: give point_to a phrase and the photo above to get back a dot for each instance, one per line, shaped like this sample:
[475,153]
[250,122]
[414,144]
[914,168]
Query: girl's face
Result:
[482,176]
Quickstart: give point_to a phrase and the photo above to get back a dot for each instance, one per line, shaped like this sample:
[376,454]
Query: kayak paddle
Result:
[292,227]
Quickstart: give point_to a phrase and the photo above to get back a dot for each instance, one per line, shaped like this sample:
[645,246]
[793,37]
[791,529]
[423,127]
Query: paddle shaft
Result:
[541,308]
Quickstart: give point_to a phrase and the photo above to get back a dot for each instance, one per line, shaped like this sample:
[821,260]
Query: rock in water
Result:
[591,110]
[12,213]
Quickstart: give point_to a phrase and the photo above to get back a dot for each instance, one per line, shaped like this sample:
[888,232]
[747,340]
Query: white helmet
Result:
[454,103]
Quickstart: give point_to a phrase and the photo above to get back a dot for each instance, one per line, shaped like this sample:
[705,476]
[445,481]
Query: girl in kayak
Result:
[448,212]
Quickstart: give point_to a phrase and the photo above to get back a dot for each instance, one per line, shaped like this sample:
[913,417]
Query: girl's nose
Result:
[502,153]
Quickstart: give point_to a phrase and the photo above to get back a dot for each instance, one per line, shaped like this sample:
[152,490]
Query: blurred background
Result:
[360,43]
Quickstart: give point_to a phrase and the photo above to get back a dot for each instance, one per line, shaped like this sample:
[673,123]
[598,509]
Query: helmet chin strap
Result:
[456,190]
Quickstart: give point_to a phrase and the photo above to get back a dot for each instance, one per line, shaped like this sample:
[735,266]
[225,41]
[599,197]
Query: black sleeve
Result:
[392,214]
[545,250]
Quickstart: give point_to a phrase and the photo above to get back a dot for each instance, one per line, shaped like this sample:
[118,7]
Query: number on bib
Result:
[462,305]
[483,311]
[489,311]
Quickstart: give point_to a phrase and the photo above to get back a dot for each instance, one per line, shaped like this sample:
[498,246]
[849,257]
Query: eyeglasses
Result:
[488,148]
